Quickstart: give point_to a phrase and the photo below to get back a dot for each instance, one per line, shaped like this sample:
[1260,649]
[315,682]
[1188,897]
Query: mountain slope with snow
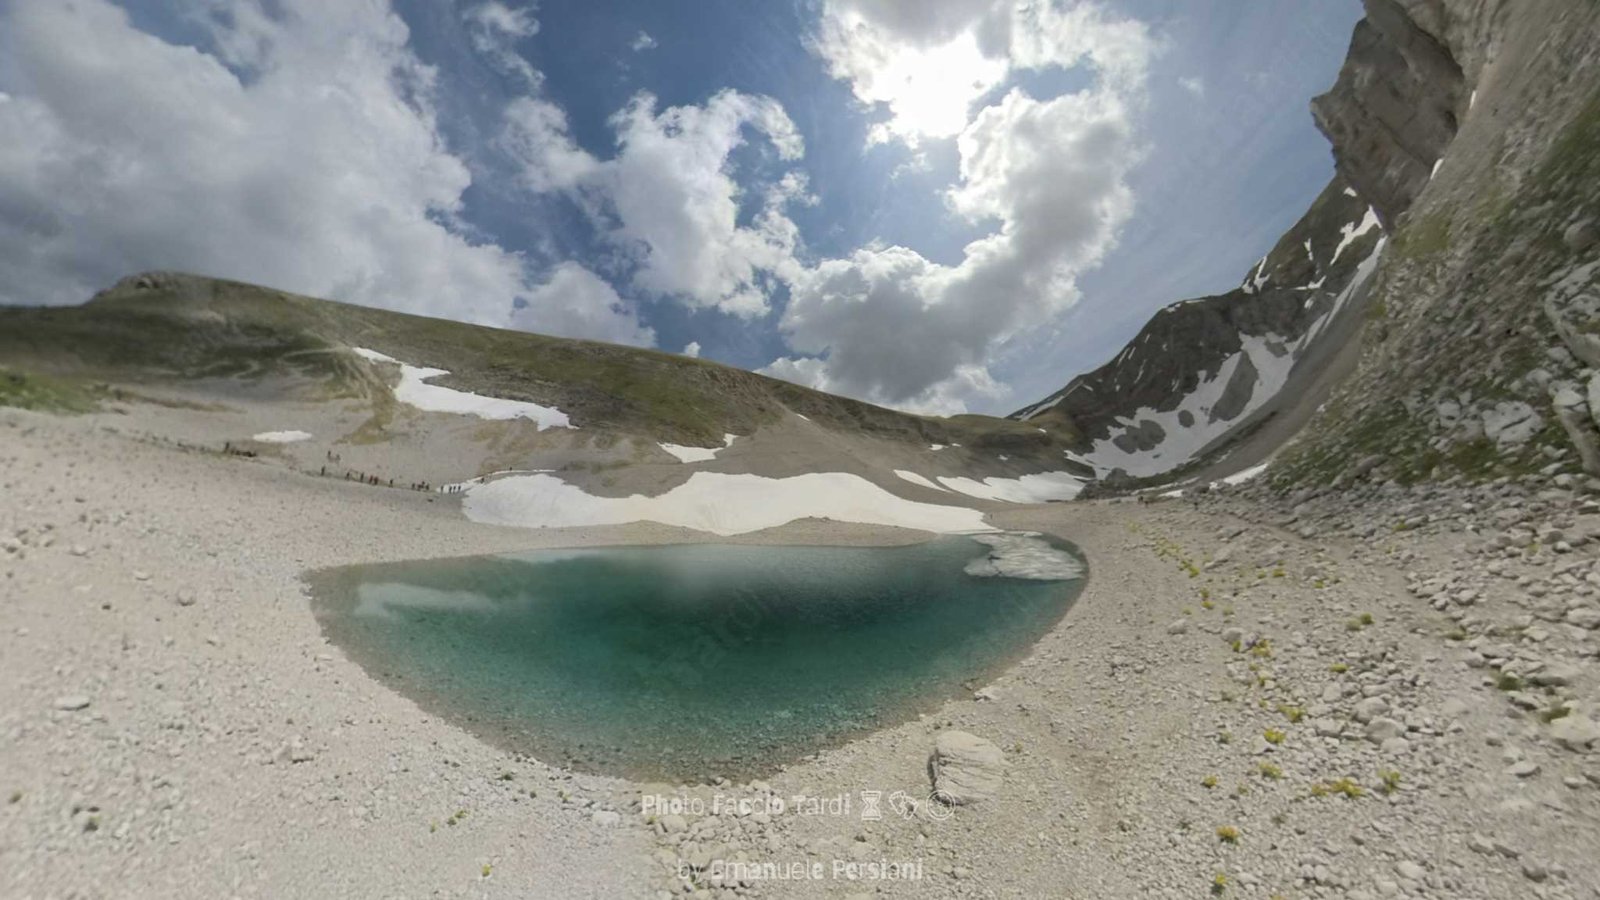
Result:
[1202,371]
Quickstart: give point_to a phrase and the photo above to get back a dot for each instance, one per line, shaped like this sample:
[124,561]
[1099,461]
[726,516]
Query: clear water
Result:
[686,662]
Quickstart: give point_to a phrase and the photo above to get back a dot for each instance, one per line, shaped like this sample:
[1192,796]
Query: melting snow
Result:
[1040,487]
[713,501]
[1024,555]
[914,478]
[281,437]
[1046,405]
[1181,443]
[698,454]
[1350,233]
[1246,475]
[414,390]
[937,447]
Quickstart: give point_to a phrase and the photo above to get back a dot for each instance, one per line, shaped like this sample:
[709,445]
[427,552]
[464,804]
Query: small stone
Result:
[186,597]
[1410,871]
[1179,627]
[1477,843]
[1380,730]
[1580,236]
[1534,871]
[606,818]
[1525,769]
[72,702]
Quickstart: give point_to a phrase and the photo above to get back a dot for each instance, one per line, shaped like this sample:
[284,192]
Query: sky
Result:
[940,206]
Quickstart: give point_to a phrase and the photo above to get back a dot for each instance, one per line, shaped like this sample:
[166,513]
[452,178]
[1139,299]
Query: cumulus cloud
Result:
[927,63]
[320,169]
[1193,84]
[692,349]
[577,303]
[668,198]
[889,325]
[643,41]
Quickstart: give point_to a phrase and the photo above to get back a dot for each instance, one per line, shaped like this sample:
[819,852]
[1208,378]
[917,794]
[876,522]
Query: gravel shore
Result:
[1386,692]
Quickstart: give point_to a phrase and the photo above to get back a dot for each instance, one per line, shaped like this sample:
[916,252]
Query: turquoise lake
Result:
[692,661]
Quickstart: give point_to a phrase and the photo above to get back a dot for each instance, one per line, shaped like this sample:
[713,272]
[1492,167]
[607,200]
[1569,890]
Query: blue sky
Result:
[944,205]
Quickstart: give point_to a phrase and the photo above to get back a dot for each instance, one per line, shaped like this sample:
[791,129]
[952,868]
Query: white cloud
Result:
[577,303]
[669,199]
[323,172]
[495,28]
[643,41]
[929,62]
[890,326]
[1193,84]
[535,134]
[692,349]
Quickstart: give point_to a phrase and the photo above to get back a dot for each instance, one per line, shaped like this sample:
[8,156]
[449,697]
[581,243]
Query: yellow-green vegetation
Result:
[1339,668]
[1207,604]
[1219,883]
[1292,713]
[1346,786]
[486,870]
[1208,782]
[1390,780]
[1262,649]
[1227,834]
[26,390]
[1365,618]
[1274,736]
[1508,682]
[1268,770]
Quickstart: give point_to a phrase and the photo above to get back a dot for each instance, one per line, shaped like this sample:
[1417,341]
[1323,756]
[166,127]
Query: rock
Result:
[1580,236]
[1584,617]
[673,824]
[1534,871]
[1232,635]
[1555,674]
[186,597]
[966,768]
[1381,729]
[1410,871]
[1575,732]
[606,818]
[1477,843]
[1572,412]
[1370,708]
[72,702]
[1181,626]
[1525,769]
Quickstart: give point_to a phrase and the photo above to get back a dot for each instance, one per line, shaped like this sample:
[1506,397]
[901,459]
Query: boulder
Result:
[966,768]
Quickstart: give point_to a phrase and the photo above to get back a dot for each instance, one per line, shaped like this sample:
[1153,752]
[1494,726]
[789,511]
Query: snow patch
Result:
[281,437]
[1040,487]
[1023,555]
[698,454]
[1349,234]
[414,390]
[1249,474]
[916,479]
[717,502]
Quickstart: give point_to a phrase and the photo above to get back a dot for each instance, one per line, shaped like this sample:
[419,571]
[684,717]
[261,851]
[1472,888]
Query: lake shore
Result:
[176,725]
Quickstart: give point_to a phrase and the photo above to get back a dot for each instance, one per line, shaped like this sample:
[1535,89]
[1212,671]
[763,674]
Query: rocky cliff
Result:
[1201,369]
[1478,357]
[1465,129]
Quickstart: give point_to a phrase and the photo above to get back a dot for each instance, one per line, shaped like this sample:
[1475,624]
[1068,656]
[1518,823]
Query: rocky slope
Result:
[381,394]
[1477,357]
[1468,128]
[1203,372]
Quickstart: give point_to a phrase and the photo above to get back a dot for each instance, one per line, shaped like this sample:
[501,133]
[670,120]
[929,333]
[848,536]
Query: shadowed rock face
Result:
[1187,345]
[1395,106]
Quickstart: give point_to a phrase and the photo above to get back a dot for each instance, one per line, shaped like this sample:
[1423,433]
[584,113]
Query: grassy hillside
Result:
[164,327]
